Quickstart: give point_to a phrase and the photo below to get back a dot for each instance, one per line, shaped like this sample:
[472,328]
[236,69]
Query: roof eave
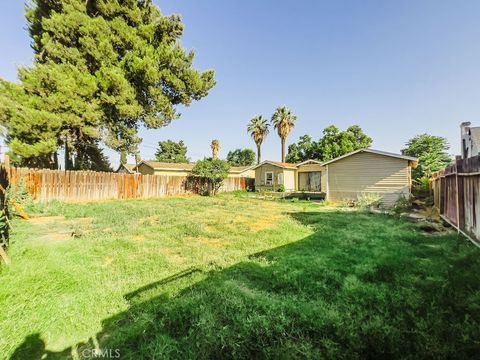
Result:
[372,151]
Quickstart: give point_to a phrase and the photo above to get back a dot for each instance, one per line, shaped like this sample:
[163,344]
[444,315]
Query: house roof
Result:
[277,163]
[240,169]
[129,167]
[157,165]
[378,152]
[310,161]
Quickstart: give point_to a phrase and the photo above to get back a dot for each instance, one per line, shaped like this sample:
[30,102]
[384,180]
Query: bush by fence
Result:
[45,185]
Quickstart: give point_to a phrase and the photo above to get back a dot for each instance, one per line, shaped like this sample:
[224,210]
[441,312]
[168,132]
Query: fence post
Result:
[457,197]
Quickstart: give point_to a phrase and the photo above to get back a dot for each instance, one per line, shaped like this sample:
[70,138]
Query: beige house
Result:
[147,167]
[343,178]
[126,169]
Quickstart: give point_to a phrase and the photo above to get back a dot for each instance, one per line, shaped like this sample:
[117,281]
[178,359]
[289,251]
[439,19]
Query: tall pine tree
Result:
[102,70]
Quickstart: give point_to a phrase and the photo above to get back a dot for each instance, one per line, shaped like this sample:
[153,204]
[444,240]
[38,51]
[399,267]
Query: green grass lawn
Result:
[235,277]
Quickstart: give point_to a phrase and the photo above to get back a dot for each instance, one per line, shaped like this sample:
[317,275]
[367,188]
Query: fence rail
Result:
[45,185]
[456,194]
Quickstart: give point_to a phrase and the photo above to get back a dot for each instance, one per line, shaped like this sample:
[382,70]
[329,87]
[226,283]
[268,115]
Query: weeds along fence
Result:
[456,194]
[72,186]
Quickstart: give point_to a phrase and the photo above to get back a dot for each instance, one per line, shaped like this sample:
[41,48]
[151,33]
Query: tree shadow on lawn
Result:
[361,286]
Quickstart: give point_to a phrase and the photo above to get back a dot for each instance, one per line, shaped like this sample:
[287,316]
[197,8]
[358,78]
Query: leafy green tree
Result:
[91,158]
[303,150]
[283,121]
[336,143]
[123,157]
[51,108]
[258,128]
[241,157]
[172,152]
[102,69]
[215,171]
[431,152]
[332,144]
[215,146]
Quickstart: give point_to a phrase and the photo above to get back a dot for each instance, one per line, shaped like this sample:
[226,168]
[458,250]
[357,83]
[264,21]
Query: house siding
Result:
[289,180]
[368,173]
[246,173]
[145,170]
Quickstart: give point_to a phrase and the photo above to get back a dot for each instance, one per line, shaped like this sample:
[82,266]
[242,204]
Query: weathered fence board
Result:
[456,194]
[45,185]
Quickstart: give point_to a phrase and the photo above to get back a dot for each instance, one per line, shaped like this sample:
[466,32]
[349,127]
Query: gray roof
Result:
[378,152]
[158,165]
[129,167]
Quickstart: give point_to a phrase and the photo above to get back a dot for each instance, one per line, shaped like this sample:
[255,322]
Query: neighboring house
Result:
[126,168]
[345,177]
[147,167]
[470,140]
[241,171]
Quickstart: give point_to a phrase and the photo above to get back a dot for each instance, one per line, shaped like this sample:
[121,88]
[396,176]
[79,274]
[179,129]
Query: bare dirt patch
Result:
[58,228]
[262,223]
[46,219]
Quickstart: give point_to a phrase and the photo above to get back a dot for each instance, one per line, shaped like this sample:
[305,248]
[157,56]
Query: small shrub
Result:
[281,188]
[19,195]
[214,171]
[421,190]
[403,204]
[367,200]
[3,228]
[343,203]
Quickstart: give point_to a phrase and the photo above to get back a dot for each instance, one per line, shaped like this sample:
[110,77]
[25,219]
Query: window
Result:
[268,178]
[280,178]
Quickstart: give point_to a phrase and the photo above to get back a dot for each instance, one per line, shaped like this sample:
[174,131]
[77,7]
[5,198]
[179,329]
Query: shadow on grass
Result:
[361,286]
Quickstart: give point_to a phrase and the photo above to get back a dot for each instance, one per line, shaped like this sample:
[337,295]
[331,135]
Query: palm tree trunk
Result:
[258,154]
[283,149]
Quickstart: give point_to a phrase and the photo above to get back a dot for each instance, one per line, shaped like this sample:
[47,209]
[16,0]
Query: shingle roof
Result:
[379,152]
[157,165]
[277,163]
[240,168]
[129,167]
[294,166]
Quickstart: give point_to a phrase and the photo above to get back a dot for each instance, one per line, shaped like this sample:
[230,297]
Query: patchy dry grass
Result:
[233,277]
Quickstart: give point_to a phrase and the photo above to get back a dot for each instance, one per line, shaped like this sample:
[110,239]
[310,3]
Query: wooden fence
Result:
[456,193]
[45,185]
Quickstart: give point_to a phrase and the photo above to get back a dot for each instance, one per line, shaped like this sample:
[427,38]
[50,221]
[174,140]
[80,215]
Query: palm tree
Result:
[215,146]
[283,119]
[258,128]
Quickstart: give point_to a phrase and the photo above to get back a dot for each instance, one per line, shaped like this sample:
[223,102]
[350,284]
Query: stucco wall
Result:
[289,180]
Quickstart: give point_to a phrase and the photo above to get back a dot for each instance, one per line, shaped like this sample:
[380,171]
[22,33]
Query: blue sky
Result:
[396,68]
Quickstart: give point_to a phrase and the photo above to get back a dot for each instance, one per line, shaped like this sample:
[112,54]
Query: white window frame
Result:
[266,178]
[280,178]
